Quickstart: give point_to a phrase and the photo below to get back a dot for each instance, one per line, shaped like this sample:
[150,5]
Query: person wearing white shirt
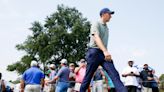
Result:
[130,74]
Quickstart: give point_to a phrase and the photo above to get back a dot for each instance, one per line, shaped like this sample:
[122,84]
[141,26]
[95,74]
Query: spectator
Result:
[80,73]
[146,79]
[156,89]
[32,78]
[2,84]
[130,74]
[51,76]
[62,77]
[98,80]
[154,82]
[71,78]
[110,85]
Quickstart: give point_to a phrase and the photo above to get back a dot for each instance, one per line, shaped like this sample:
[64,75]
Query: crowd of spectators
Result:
[69,76]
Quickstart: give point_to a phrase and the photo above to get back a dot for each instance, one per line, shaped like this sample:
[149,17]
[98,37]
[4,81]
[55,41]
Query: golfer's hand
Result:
[107,56]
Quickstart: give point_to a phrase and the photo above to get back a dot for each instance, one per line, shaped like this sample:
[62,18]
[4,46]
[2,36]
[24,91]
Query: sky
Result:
[136,29]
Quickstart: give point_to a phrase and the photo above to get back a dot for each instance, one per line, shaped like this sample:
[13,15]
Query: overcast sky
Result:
[136,28]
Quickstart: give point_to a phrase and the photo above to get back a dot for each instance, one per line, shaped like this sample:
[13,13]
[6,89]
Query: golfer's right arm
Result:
[100,44]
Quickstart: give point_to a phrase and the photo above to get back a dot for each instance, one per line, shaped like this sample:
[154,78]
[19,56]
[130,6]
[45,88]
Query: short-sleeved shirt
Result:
[52,74]
[80,75]
[131,80]
[102,30]
[33,76]
[63,74]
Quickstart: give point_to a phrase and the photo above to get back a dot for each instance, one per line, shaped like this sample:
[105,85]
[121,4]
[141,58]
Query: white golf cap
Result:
[34,63]
[63,61]
[52,65]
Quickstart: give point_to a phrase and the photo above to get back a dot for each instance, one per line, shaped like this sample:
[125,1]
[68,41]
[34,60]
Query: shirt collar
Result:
[101,21]
[34,66]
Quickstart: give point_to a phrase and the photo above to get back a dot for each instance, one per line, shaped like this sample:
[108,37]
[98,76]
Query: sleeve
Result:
[124,71]
[143,75]
[23,76]
[42,75]
[59,72]
[52,74]
[137,72]
[95,28]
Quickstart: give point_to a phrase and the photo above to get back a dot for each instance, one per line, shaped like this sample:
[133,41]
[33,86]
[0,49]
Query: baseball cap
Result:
[63,61]
[106,10]
[82,60]
[34,63]
[52,65]
[71,64]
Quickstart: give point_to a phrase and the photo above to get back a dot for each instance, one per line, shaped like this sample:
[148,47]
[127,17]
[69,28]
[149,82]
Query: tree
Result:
[161,78]
[65,34]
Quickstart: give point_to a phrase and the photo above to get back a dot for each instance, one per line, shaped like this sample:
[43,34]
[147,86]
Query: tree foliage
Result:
[161,78]
[65,34]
